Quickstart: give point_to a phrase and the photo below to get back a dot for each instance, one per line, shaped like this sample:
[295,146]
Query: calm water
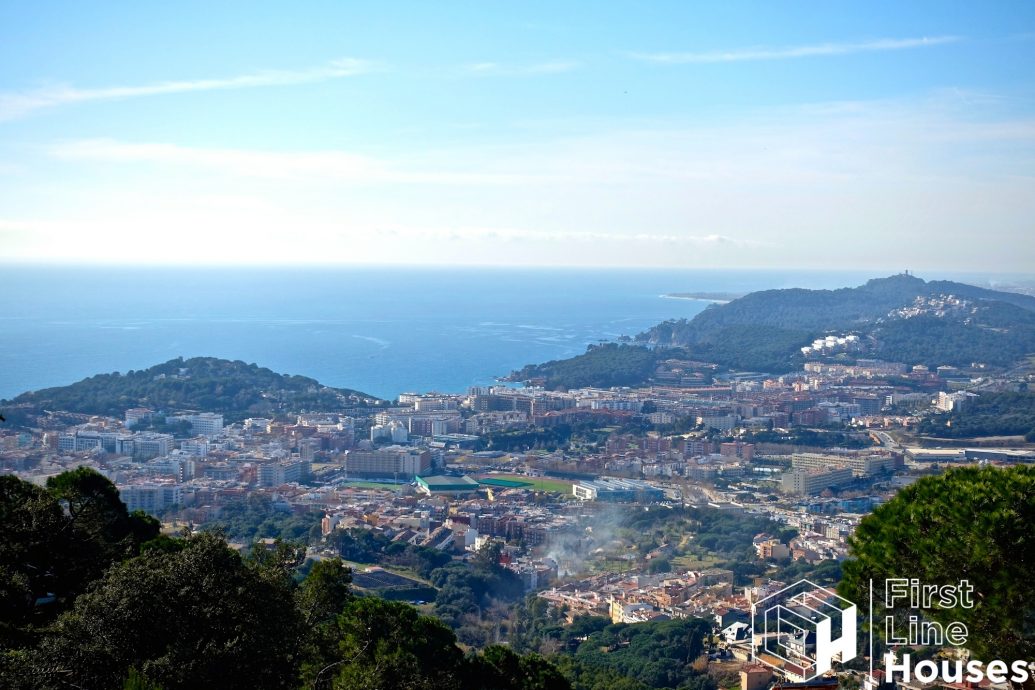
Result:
[379,330]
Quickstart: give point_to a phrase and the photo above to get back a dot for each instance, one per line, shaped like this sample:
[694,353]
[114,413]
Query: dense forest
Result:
[203,384]
[746,346]
[598,655]
[988,414]
[663,654]
[256,517]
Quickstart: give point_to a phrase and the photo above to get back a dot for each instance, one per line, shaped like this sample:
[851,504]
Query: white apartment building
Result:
[206,424]
[150,498]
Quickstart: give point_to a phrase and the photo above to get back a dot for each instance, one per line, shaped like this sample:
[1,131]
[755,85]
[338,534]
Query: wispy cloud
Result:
[791,52]
[522,235]
[19,104]
[248,163]
[507,70]
[297,165]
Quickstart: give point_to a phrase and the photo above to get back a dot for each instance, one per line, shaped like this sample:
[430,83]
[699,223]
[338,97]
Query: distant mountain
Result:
[204,384]
[900,318]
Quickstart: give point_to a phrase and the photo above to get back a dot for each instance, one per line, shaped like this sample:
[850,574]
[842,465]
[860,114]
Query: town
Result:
[695,496]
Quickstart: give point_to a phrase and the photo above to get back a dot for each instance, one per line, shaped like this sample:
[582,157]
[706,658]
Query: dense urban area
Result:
[688,499]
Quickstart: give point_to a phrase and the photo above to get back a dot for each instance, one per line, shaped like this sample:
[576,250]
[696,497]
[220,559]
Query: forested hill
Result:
[765,330]
[604,365]
[812,310]
[203,384]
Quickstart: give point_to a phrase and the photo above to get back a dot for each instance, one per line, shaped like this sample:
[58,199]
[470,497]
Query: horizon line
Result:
[323,266]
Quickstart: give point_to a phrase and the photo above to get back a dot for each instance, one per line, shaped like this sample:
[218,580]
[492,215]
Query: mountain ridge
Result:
[898,318]
[757,331]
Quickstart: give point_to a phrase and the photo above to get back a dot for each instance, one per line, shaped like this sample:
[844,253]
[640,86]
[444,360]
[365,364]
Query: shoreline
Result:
[714,297]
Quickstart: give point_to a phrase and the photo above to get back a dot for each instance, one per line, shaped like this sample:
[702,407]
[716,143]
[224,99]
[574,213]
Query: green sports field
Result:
[560,486]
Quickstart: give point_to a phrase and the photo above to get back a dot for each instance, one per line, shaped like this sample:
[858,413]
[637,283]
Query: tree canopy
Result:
[56,541]
[988,414]
[971,524]
[197,617]
[256,517]
[149,612]
[604,365]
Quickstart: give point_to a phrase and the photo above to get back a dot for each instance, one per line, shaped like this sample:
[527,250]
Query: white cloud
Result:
[328,165]
[248,163]
[863,183]
[506,70]
[791,52]
[19,104]
[563,237]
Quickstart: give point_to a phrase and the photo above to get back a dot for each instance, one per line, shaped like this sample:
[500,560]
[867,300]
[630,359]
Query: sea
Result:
[379,330]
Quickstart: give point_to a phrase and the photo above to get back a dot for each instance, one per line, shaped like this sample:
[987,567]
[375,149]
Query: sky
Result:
[864,135]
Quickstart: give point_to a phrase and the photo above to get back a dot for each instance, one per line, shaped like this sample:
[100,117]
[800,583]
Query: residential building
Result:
[953,402]
[861,465]
[150,498]
[810,482]
[277,473]
[152,445]
[206,424]
[391,462]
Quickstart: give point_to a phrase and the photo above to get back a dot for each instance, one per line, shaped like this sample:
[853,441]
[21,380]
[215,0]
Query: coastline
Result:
[714,297]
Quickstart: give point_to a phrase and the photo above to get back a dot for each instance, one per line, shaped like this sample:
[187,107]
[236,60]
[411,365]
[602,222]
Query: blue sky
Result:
[866,135]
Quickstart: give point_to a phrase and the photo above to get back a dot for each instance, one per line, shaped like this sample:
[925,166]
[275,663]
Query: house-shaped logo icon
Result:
[802,629]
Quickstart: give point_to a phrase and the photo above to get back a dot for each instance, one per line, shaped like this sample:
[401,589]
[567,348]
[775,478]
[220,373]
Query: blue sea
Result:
[382,331]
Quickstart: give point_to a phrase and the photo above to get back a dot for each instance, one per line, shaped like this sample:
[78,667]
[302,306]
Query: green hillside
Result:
[765,330]
[601,365]
[204,384]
